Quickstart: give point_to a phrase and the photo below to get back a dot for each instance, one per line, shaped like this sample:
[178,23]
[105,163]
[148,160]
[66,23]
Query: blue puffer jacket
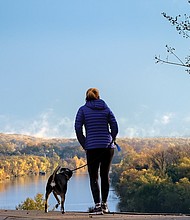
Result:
[100,125]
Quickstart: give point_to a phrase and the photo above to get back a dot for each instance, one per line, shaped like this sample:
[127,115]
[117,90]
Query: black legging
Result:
[99,158]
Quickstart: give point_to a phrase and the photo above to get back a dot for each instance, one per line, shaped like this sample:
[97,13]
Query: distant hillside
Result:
[139,143]
[18,144]
[26,139]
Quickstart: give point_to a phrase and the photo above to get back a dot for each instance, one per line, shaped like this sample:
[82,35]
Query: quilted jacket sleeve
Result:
[79,122]
[113,125]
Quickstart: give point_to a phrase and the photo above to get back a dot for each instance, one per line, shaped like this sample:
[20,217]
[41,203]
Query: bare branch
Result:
[171,50]
[158,59]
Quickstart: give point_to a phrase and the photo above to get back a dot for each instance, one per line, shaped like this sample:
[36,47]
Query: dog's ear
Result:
[69,172]
[62,170]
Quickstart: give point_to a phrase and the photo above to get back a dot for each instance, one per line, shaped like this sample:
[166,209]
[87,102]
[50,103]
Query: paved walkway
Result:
[32,215]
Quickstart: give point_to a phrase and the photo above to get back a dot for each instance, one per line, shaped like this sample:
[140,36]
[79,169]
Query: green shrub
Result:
[37,203]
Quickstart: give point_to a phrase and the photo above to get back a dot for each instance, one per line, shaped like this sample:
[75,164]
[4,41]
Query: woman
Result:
[100,132]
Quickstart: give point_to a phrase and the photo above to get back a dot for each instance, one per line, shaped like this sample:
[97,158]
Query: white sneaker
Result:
[105,207]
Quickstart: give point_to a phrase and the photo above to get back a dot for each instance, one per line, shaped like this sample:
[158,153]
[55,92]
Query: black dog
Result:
[57,183]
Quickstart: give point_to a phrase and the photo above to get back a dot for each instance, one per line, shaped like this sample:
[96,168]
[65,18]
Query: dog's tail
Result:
[53,175]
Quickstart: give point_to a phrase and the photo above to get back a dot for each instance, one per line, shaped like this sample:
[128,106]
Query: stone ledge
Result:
[40,215]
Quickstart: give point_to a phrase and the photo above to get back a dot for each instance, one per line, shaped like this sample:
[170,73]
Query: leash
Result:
[118,148]
[79,167]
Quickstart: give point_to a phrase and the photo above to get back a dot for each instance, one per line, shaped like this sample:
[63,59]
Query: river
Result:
[78,197]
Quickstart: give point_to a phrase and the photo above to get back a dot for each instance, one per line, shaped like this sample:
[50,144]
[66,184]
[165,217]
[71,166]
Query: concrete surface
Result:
[32,215]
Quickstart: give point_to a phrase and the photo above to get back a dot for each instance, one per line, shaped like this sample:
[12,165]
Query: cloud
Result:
[164,119]
[139,131]
[186,119]
[47,125]
[166,124]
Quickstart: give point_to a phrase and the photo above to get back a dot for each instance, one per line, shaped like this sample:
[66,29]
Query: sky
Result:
[52,51]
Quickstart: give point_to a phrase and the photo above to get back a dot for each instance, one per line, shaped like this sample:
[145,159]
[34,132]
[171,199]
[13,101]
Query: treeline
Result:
[15,145]
[155,177]
[15,166]
[22,155]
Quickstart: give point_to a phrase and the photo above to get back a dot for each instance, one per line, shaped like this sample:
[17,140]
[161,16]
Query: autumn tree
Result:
[162,186]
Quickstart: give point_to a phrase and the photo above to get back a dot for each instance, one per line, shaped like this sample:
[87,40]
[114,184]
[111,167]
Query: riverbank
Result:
[40,215]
